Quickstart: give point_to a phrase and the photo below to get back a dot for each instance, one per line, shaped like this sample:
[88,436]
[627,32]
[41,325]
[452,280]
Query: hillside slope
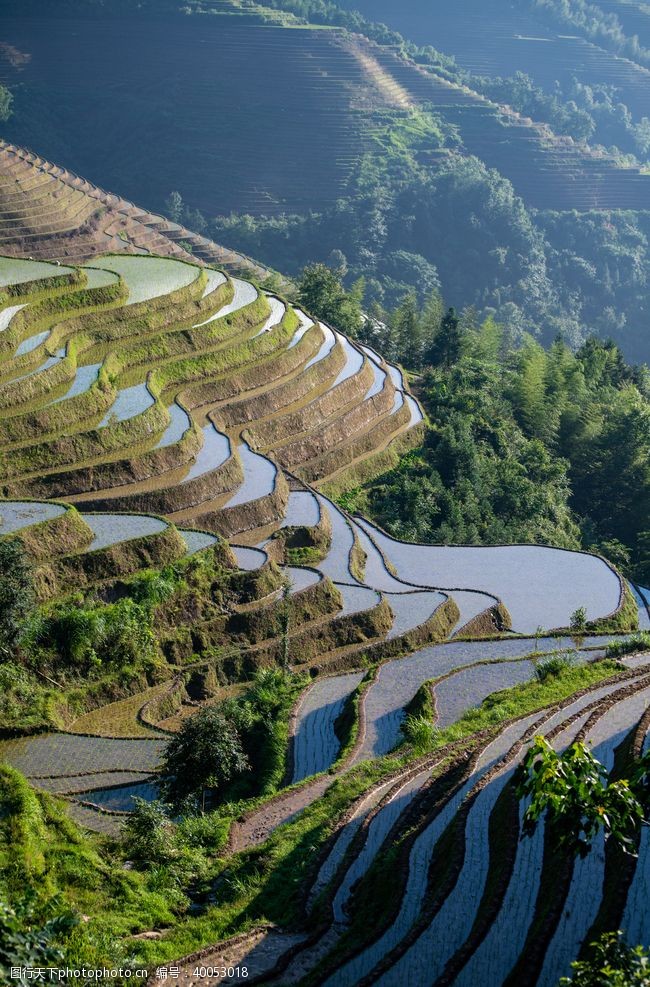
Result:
[327,88]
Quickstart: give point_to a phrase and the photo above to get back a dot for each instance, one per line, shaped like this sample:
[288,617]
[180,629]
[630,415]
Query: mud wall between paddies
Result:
[120,559]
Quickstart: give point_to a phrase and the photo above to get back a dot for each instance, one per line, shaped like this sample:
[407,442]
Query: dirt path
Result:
[254,829]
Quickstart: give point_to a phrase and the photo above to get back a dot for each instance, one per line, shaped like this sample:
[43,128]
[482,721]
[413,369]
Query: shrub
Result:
[419,732]
[16,593]
[554,664]
[639,642]
[578,622]
[611,963]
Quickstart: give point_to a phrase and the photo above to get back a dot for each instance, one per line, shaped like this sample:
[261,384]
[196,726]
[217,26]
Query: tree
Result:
[16,593]
[6,100]
[578,620]
[574,791]
[611,963]
[322,293]
[205,754]
[445,349]
[174,206]
[405,326]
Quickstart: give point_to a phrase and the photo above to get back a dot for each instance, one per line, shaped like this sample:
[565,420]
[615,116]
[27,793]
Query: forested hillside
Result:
[525,200]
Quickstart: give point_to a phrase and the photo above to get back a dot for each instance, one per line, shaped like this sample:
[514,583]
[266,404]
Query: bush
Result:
[83,639]
[629,645]
[611,963]
[16,593]
[419,732]
[554,664]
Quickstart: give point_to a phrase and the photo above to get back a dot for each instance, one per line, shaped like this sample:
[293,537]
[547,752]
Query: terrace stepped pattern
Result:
[330,84]
[219,75]
[547,171]
[150,409]
[173,390]
[50,212]
[149,406]
[488,37]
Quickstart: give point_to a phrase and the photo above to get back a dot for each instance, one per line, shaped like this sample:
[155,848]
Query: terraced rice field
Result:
[564,581]
[15,515]
[315,742]
[491,39]
[398,681]
[420,946]
[193,408]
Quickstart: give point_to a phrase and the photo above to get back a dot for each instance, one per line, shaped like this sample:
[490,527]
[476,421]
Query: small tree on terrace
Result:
[16,593]
[205,754]
[574,792]
[321,291]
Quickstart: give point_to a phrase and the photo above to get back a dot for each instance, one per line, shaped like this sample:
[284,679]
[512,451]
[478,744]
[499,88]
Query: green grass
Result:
[43,851]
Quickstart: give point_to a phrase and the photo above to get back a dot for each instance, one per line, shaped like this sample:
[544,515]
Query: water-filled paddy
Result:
[416,410]
[249,559]
[540,586]
[98,278]
[214,280]
[326,348]
[178,426]
[305,324]
[150,277]
[51,360]
[7,315]
[259,476]
[83,381]
[57,754]
[356,599]
[17,514]
[212,454]
[278,309]
[353,360]
[303,510]
[411,609]
[352,972]
[112,528]
[130,402]
[120,799]
[470,686]
[301,578]
[32,342]
[336,563]
[14,271]
[196,541]
[379,375]
[397,681]
[315,743]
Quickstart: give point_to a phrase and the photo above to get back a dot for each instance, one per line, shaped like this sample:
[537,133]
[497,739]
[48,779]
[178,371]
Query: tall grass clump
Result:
[555,664]
[627,646]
